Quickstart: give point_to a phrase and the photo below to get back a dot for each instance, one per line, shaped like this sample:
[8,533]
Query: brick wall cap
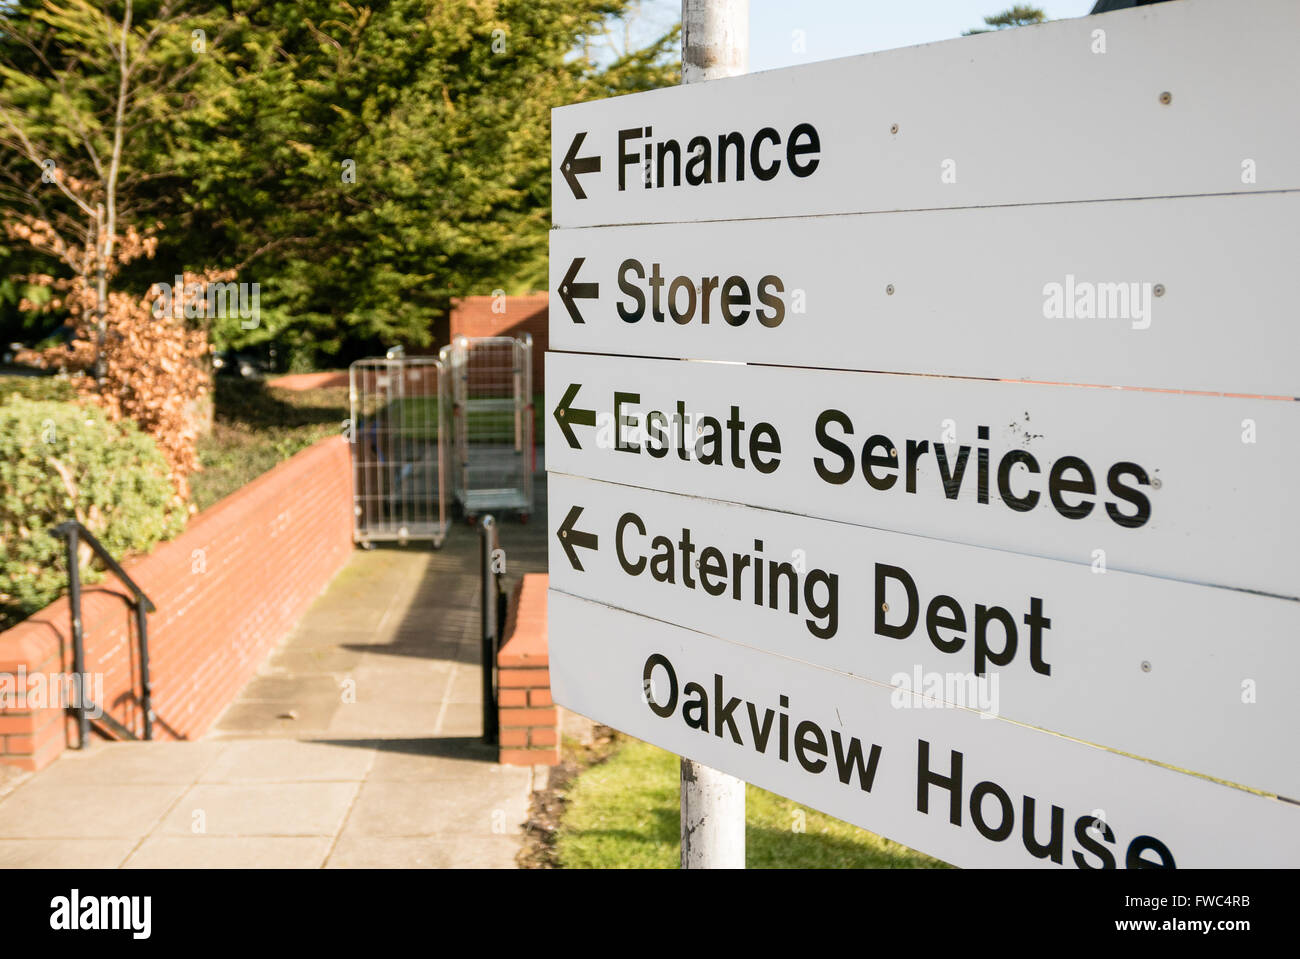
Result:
[30,643]
[525,632]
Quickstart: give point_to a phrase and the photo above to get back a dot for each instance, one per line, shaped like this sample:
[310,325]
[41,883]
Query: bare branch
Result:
[32,154]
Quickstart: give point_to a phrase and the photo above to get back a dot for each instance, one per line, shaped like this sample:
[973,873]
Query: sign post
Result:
[715,44]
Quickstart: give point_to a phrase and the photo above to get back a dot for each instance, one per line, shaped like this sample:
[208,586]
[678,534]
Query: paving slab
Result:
[398,654]
[481,807]
[400,718]
[424,852]
[461,719]
[64,853]
[368,852]
[446,760]
[11,777]
[288,761]
[137,764]
[261,809]
[291,688]
[231,852]
[297,660]
[417,682]
[281,720]
[105,810]
[466,686]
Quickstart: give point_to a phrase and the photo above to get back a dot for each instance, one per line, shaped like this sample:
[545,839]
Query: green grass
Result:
[497,426]
[415,415]
[256,427]
[625,813]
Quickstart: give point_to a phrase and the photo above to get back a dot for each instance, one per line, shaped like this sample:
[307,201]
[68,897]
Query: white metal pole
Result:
[713,818]
[715,39]
[715,43]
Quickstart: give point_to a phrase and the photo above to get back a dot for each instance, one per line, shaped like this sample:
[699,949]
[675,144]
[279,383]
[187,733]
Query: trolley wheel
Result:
[366,544]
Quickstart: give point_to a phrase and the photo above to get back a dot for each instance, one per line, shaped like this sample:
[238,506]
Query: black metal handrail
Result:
[492,618]
[73,533]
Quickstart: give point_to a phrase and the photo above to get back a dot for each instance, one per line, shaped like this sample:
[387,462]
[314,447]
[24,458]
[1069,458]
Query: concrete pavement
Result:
[357,744]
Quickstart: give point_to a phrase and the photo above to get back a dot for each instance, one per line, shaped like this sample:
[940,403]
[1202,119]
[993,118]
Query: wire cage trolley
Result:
[492,410]
[399,433]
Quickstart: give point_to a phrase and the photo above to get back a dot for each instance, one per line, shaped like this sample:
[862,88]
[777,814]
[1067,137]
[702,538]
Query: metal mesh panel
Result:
[401,413]
[492,389]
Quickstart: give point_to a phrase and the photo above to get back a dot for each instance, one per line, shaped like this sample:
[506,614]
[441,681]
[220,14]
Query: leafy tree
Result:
[93,97]
[94,100]
[1021,15]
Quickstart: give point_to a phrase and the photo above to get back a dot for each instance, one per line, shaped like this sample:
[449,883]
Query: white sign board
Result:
[1199,488]
[1190,675]
[1145,293]
[1155,106]
[826,515]
[969,790]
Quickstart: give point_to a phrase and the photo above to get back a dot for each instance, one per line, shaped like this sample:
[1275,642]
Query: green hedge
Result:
[37,388]
[60,461]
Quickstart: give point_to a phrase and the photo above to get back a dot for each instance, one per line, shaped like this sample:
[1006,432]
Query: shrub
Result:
[37,387]
[60,461]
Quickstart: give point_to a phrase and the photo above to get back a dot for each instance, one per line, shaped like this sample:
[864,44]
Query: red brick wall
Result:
[530,732]
[227,590]
[473,316]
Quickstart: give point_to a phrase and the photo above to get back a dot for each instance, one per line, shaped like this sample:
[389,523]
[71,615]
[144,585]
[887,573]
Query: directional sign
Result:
[1200,488]
[1189,674]
[933,463]
[1125,105]
[969,790]
[1169,293]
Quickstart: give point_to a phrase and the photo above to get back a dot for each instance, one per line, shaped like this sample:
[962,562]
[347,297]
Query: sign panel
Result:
[970,790]
[1145,293]
[1188,675]
[1146,109]
[1199,488]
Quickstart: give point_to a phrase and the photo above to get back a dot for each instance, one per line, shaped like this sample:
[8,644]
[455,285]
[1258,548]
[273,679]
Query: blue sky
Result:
[841,28]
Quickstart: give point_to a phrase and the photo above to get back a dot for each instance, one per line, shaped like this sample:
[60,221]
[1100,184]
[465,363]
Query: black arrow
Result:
[570,290]
[572,166]
[569,418]
[570,537]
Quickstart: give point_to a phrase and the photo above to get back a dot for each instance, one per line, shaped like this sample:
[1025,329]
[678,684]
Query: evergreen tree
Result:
[386,159]
[1021,15]
[95,102]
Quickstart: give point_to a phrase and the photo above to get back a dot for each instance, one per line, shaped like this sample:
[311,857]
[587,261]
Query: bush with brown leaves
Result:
[156,367]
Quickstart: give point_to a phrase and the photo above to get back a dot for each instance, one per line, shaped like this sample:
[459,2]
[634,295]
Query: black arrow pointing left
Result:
[568,417]
[571,290]
[570,537]
[573,165]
